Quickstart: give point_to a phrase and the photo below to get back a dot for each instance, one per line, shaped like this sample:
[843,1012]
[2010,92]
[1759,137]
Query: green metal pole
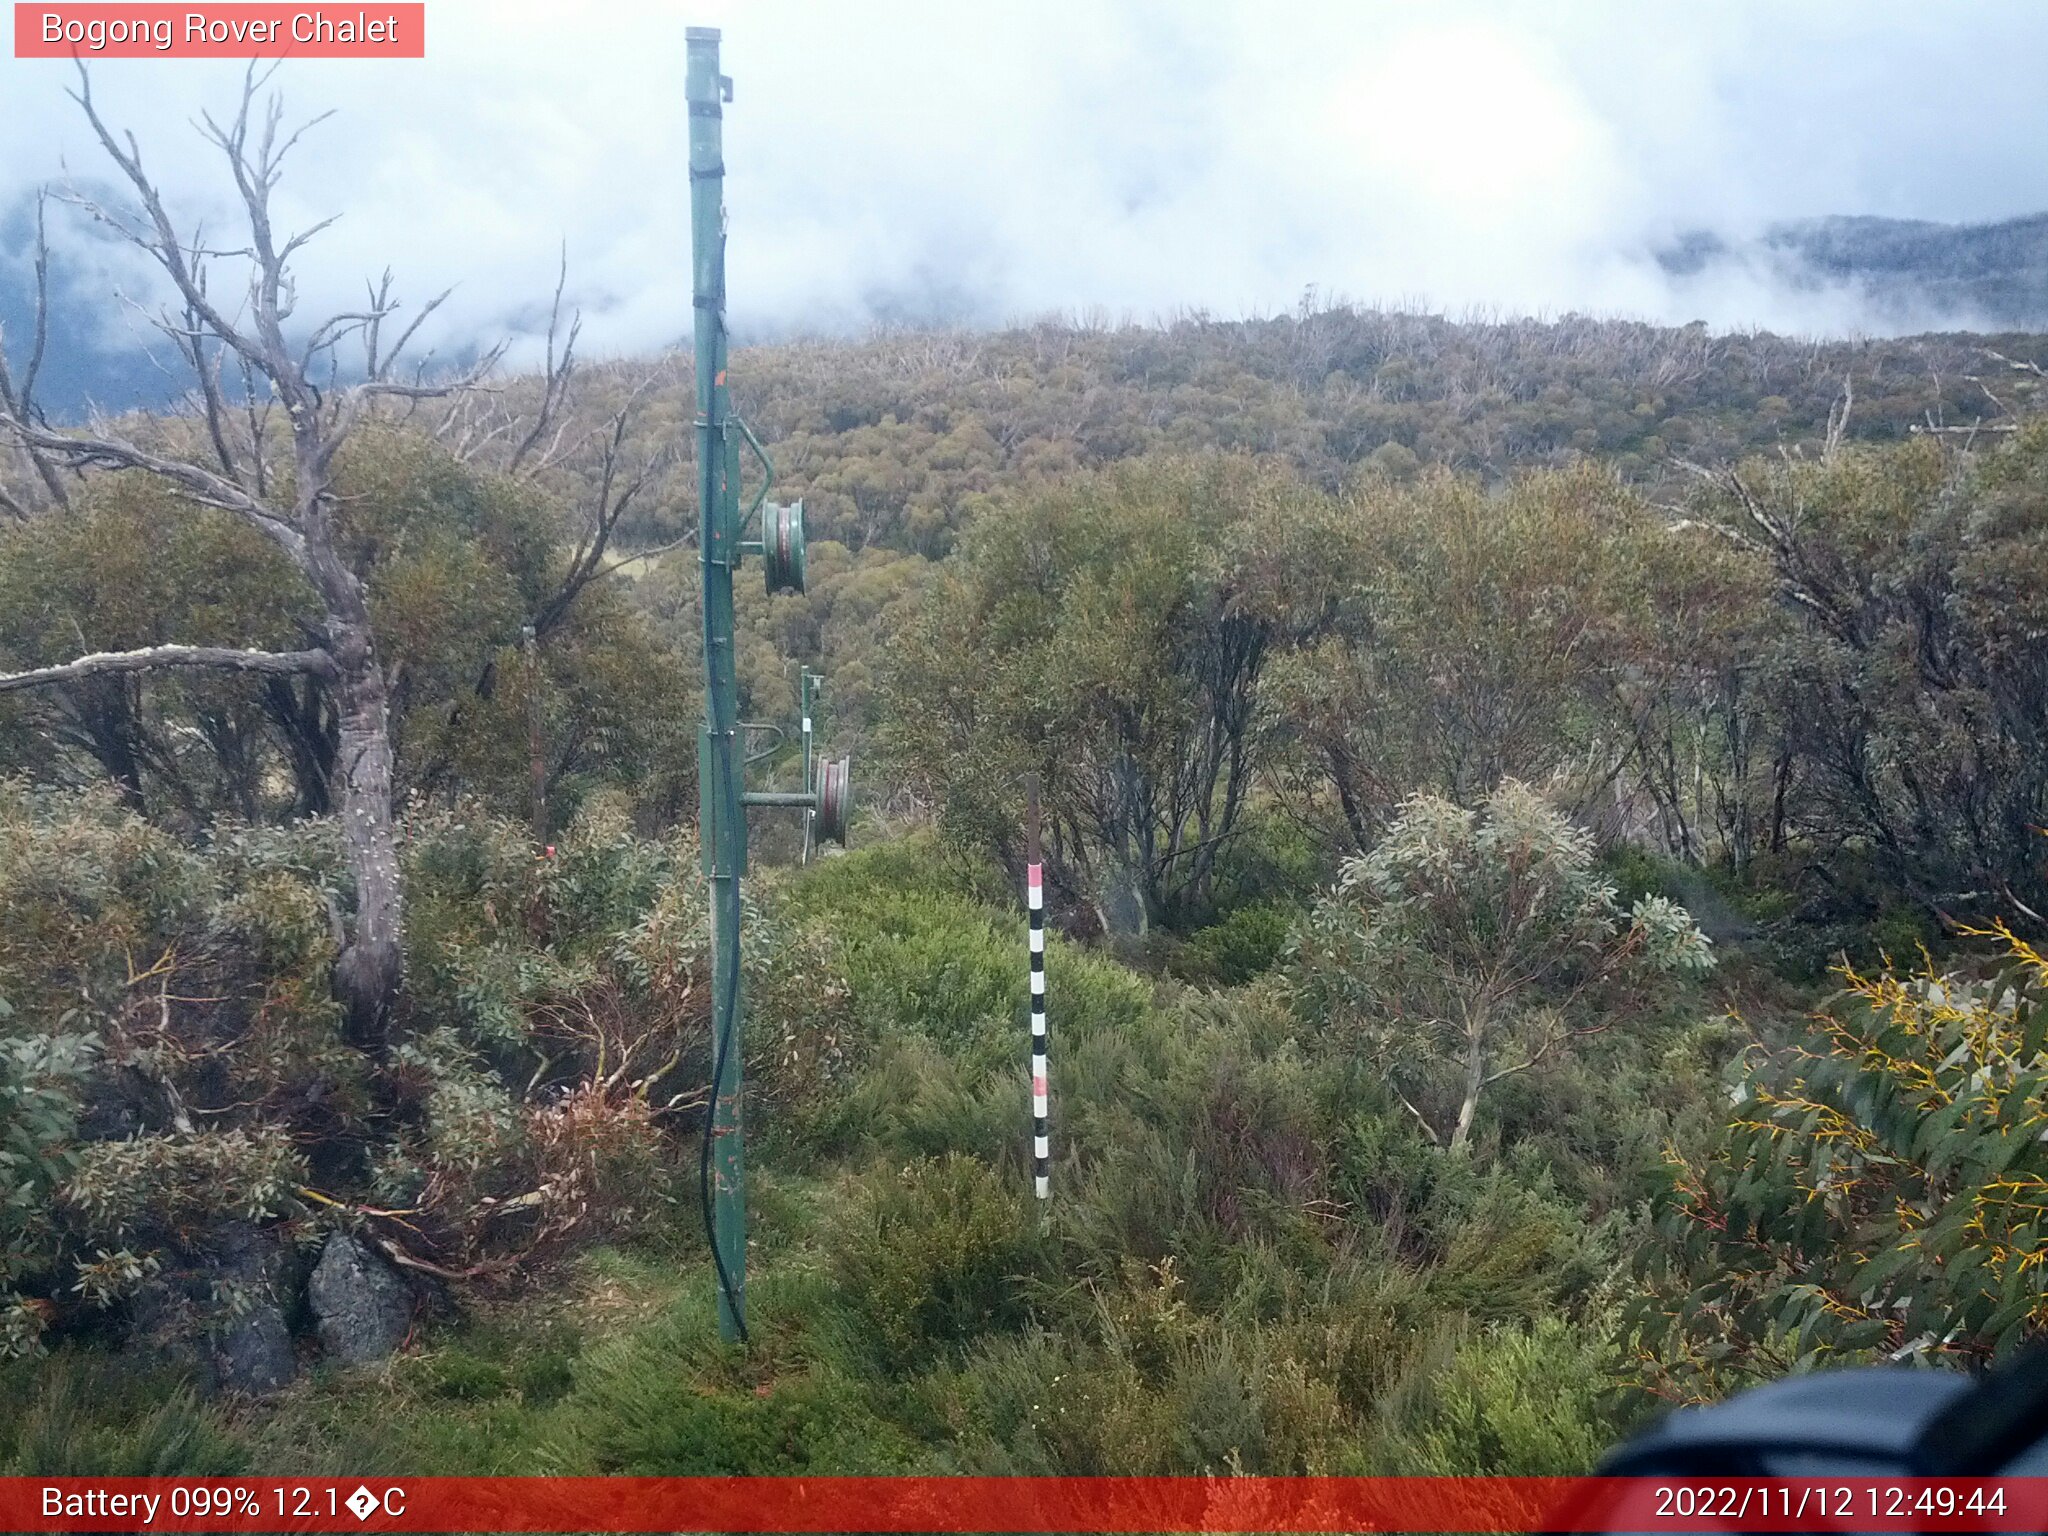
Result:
[722,821]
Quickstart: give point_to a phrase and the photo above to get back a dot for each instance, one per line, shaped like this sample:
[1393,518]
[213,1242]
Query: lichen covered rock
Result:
[361,1309]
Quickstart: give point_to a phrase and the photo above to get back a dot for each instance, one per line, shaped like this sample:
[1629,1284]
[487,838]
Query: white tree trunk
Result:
[1475,1080]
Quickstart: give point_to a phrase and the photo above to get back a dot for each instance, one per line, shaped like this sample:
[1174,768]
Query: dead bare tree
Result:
[593,466]
[302,375]
[18,398]
[1838,420]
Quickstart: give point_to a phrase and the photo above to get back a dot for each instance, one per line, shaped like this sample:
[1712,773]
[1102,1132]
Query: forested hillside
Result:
[891,440]
[1476,756]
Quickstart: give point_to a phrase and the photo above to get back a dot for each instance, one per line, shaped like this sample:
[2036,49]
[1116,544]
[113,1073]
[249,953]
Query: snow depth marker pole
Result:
[1034,900]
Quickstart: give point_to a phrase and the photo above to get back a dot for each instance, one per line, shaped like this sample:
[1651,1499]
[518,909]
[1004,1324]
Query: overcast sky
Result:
[999,160]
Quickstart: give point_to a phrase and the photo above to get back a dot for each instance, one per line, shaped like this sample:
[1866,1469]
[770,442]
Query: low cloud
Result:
[908,161]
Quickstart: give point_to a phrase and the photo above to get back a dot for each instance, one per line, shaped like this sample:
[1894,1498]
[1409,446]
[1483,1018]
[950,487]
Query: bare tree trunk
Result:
[1347,797]
[1781,789]
[1475,1080]
[370,967]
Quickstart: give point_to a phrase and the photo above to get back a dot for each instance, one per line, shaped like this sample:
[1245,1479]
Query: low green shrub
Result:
[1245,944]
[75,1414]
[934,1255]
[668,1398]
[40,1080]
[1532,1401]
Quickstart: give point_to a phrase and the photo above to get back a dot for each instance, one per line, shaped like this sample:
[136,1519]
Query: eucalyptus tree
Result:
[1476,943]
[1110,634]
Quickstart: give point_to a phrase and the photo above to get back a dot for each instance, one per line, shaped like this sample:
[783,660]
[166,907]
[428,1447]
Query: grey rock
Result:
[166,1327]
[360,1308]
[253,1353]
[220,1317]
[252,1344]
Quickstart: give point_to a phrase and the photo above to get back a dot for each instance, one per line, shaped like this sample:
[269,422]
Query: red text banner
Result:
[231,31]
[1107,1504]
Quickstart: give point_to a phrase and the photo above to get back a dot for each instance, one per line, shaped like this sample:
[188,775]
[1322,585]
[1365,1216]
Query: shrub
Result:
[1188,1397]
[934,1255]
[177,1066]
[1271,861]
[1243,945]
[1472,945]
[1242,1404]
[807,1422]
[668,1398]
[935,966]
[89,891]
[165,1186]
[1529,1401]
[913,1100]
[39,1082]
[1879,1188]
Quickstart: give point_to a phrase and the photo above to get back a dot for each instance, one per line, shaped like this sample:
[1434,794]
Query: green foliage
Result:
[1454,638]
[464,1378]
[74,1415]
[936,968]
[87,886]
[1509,1402]
[669,1400]
[39,1087]
[936,980]
[1911,694]
[175,1065]
[1110,635]
[1214,585]
[165,1184]
[455,561]
[1243,945]
[1878,1189]
[1472,945]
[1210,1403]
[898,441]
[1272,860]
[131,565]
[1251,1263]
[933,1256]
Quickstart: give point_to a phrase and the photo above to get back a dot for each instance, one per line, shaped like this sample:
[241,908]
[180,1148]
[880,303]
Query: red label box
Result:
[386,1506]
[236,31]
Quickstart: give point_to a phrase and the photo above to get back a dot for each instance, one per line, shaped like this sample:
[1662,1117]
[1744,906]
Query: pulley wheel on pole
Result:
[782,547]
[835,800]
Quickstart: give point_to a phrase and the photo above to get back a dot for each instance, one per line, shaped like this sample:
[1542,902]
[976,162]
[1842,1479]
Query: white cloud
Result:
[1139,158]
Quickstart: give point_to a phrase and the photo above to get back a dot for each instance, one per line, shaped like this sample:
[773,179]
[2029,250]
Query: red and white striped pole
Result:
[1034,901]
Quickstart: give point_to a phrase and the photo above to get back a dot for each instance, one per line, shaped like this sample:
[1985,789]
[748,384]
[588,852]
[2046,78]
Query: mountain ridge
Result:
[1919,272]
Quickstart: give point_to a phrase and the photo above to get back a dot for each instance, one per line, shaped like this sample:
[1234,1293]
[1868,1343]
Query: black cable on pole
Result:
[721,1040]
